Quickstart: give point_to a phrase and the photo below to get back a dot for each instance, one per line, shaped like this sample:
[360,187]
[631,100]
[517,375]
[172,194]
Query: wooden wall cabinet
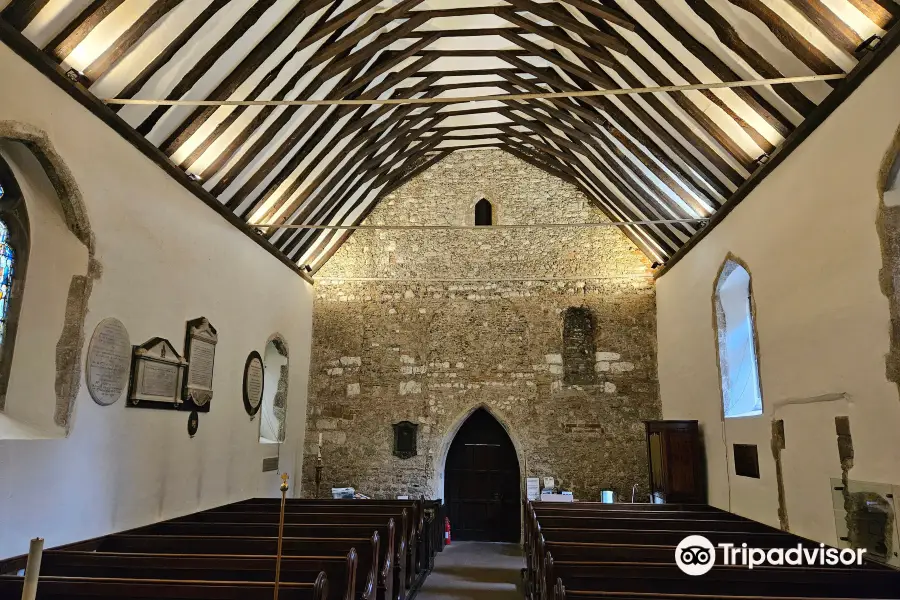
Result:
[676,460]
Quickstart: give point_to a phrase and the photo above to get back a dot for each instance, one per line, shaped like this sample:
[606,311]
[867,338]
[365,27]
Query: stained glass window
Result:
[7,264]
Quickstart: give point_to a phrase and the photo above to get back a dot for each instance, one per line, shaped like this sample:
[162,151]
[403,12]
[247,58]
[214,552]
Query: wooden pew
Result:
[410,512]
[634,558]
[256,546]
[563,593]
[264,524]
[341,571]
[86,588]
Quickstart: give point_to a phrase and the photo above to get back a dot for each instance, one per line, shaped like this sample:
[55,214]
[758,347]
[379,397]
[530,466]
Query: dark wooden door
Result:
[482,482]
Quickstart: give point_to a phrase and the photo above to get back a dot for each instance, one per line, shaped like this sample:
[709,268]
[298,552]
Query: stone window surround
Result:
[495,209]
[729,264]
[279,400]
[14,215]
[69,347]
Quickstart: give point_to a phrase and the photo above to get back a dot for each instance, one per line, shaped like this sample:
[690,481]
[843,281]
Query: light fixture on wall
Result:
[194,177]
[656,264]
[871,44]
[78,77]
[761,160]
[307,268]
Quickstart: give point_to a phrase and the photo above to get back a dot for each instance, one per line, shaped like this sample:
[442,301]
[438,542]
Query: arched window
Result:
[13,262]
[274,402]
[484,213]
[738,363]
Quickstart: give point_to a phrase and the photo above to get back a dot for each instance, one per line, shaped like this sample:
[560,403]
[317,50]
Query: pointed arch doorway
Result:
[482,488]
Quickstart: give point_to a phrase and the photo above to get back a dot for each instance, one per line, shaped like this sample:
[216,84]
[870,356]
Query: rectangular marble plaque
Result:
[200,369]
[159,379]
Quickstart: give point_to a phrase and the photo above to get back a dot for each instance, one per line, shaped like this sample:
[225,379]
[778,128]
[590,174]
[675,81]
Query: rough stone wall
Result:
[431,349]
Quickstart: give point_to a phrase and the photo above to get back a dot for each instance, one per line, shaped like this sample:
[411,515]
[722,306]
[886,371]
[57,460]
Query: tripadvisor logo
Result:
[696,555]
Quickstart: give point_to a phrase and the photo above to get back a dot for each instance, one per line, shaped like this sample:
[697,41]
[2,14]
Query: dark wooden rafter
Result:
[814,58]
[883,13]
[657,156]
[255,94]
[685,102]
[817,13]
[74,33]
[762,107]
[129,38]
[728,35]
[209,58]
[247,67]
[398,180]
[172,49]
[20,13]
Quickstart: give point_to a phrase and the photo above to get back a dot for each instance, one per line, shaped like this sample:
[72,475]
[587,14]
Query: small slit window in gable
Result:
[484,213]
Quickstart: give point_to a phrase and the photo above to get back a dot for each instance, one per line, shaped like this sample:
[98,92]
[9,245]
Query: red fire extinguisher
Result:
[446,531]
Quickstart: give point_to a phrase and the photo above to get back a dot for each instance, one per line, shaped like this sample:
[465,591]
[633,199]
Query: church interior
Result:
[449,299]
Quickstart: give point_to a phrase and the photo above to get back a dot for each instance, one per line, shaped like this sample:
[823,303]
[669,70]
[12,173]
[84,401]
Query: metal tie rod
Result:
[489,98]
[483,227]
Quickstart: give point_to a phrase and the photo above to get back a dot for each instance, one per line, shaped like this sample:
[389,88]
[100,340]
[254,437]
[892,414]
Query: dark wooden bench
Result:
[124,588]
[593,552]
[408,514]
[346,583]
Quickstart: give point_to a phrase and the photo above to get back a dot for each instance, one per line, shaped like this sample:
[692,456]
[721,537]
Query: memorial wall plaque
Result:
[200,352]
[157,372]
[108,362]
[193,423]
[253,383]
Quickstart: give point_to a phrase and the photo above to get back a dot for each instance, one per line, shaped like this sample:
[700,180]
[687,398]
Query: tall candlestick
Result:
[32,569]
[319,449]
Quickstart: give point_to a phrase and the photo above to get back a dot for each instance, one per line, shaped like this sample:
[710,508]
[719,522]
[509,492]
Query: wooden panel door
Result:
[482,482]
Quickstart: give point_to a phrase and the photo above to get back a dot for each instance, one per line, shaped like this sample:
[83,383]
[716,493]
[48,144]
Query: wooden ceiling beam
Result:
[728,35]
[604,107]
[829,24]
[209,58]
[78,28]
[763,108]
[586,52]
[19,13]
[269,44]
[169,52]
[883,13]
[254,94]
[120,47]
[369,128]
[814,58]
[562,19]
[390,61]
[620,18]
[601,81]
[297,132]
[371,27]
[625,170]
[396,182]
[684,101]
[326,211]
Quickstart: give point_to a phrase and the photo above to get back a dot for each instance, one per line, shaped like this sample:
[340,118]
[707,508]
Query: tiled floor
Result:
[475,571]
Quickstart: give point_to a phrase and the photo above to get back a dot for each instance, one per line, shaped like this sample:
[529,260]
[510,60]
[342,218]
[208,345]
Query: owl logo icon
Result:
[695,555]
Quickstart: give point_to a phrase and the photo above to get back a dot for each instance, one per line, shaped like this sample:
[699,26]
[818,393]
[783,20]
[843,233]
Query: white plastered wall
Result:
[166,258]
[808,237]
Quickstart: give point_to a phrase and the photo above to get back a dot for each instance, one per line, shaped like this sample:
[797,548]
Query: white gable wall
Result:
[166,258]
[808,237]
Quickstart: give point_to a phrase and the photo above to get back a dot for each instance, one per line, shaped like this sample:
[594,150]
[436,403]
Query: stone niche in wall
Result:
[864,516]
[578,346]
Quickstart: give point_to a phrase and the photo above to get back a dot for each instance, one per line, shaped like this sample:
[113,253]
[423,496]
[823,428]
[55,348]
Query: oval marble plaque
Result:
[253,383]
[108,362]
